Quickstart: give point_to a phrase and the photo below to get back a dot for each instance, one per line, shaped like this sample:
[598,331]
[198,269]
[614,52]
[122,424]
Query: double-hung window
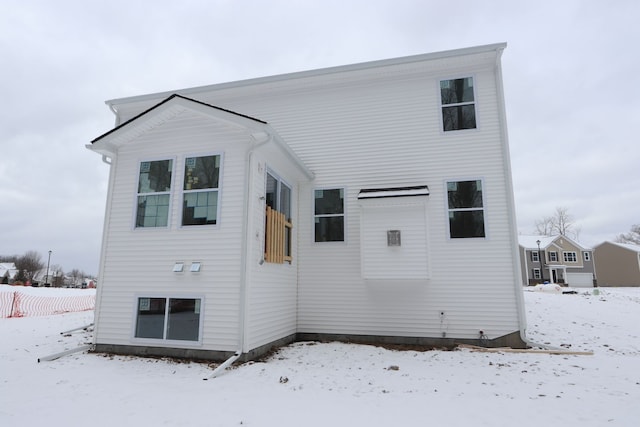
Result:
[466,209]
[168,318]
[535,257]
[553,256]
[278,220]
[329,215]
[586,256]
[458,104]
[154,191]
[201,190]
[570,256]
[536,274]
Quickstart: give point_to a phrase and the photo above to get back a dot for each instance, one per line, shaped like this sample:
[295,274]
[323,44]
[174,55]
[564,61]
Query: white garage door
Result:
[580,280]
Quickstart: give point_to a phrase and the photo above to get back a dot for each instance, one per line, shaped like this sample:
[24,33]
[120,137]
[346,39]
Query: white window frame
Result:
[535,257]
[474,103]
[182,191]
[170,193]
[163,342]
[586,255]
[553,256]
[483,209]
[537,272]
[567,255]
[343,214]
[279,183]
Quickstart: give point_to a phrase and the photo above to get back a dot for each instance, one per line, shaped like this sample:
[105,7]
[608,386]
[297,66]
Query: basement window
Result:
[168,318]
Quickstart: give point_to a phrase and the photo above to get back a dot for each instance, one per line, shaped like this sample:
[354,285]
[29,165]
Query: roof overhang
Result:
[260,131]
[382,193]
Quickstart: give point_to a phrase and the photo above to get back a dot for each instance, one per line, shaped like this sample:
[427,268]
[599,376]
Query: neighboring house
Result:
[556,259]
[8,272]
[370,202]
[618,264]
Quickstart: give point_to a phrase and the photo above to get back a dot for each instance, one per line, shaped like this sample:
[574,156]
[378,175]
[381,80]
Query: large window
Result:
[458,104]
[466,210]
[329,215]
[200,190]
[154,188]
[570,256]
[168,319]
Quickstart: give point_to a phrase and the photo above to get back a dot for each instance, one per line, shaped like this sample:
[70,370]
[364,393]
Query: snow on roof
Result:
[530,242]
[629,246]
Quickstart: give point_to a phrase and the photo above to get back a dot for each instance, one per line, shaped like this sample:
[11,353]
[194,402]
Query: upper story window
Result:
[586,256]
[154,192]
[278,195]
[329,215]
[535,257]
[466,210]
[200,190]
[553,256]
[570,256]
[458,104]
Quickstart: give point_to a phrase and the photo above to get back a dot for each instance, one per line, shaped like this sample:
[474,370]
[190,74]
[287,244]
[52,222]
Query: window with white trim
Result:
[553,256]
[154,193]
[466,209]
[586,256]
[570,256]
[329,215]
[278,225]
[536,274]
[200,190]
[168,318]
[458,104]
[535,256]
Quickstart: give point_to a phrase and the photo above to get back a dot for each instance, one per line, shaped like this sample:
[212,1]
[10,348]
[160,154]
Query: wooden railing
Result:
[277,238]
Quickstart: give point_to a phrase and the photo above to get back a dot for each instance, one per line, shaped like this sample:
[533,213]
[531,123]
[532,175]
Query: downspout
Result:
[243,263]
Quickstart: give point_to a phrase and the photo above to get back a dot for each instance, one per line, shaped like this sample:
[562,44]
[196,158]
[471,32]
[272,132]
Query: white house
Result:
[369,202]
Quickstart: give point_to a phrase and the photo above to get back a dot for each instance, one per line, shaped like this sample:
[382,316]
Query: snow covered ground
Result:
[335,384]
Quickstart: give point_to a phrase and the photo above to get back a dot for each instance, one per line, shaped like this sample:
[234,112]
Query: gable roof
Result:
[108,143]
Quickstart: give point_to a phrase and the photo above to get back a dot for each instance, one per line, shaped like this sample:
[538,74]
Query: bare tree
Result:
[561,222]
[632,236]
[31,262]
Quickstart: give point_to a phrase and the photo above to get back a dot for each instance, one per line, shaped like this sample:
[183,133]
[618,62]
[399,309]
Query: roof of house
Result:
[531,241]
[475,50]
[107,143]
[628,246]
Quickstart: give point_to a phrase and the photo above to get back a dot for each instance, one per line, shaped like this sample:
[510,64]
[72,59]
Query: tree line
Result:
[31,263]
[562,223]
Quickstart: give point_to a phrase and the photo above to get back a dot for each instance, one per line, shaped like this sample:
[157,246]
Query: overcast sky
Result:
[570,72]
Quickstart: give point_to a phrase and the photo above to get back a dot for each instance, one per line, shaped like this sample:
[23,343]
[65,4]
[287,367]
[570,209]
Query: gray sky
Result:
[570,73]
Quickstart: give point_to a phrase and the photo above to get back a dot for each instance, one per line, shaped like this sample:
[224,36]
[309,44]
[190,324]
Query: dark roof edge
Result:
[164,101]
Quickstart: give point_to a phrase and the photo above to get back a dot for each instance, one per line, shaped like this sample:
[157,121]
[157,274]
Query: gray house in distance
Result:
[556,259]
[370,202]
[618,264]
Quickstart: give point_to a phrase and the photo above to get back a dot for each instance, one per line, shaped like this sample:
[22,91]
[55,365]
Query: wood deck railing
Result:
[277,238]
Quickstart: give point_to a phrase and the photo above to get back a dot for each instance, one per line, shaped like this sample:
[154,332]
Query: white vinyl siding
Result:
[216,248]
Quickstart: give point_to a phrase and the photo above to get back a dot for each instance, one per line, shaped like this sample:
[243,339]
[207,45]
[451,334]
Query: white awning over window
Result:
[379,193]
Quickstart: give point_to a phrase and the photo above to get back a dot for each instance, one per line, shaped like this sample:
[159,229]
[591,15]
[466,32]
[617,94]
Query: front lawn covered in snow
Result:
[337,384]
